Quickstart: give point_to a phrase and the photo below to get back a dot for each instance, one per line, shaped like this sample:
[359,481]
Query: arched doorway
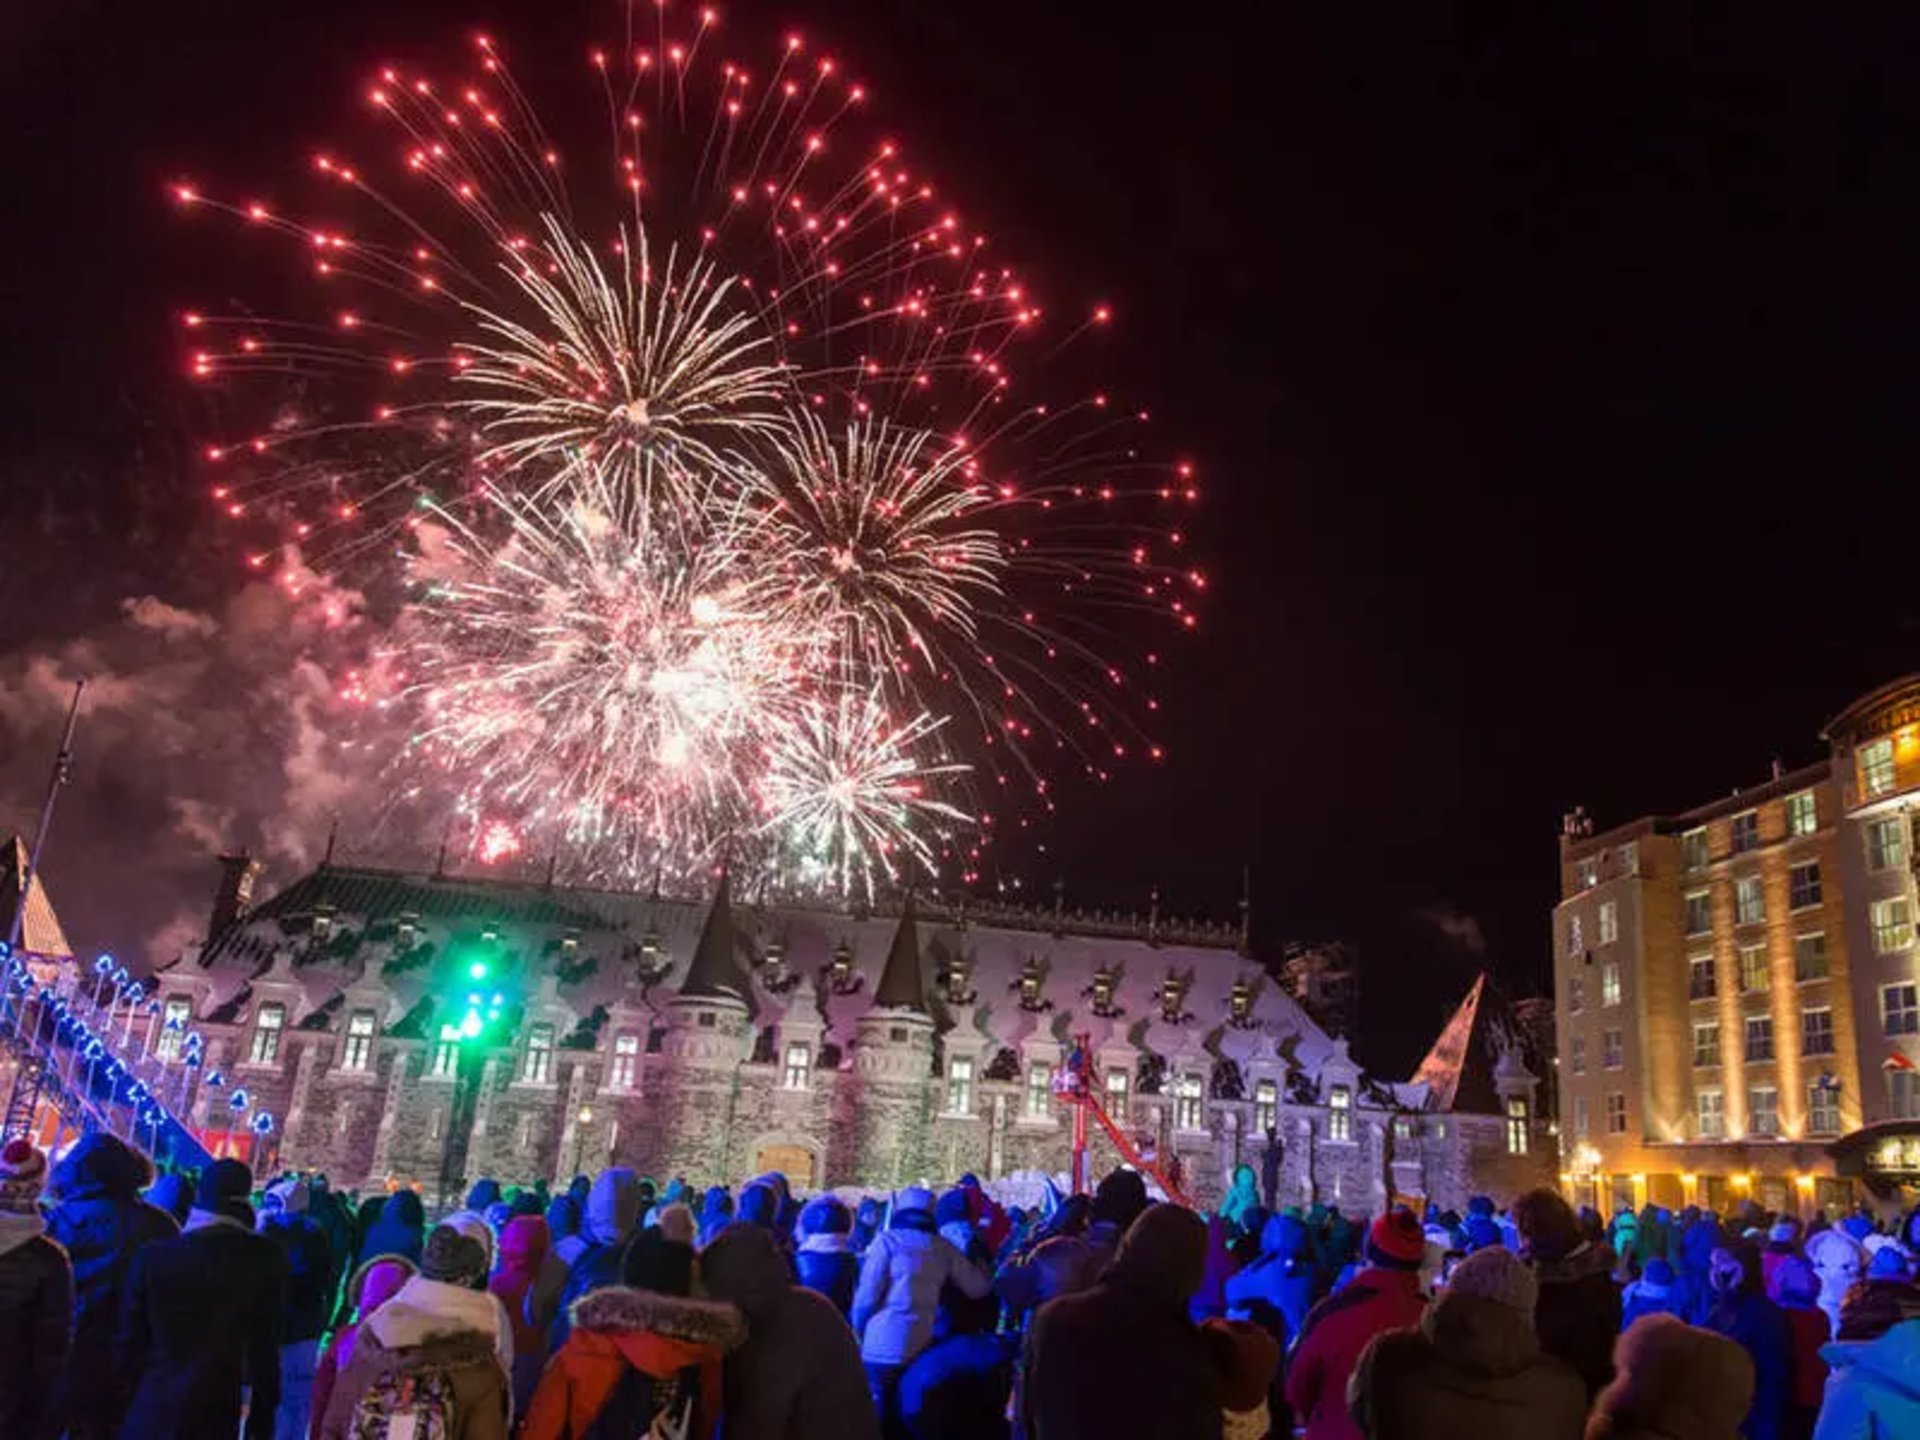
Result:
[793,1161]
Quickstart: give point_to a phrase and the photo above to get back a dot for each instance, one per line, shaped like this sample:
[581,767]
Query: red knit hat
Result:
[23,1171]
[1395,1239]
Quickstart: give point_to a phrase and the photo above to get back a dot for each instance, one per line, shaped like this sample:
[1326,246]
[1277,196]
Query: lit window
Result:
[626,1060]
[1117,1093]
[1701,981]
[1753,969]
[1749,901]
[1586,873]
[538,1069]
[1516,1126]
[1700,912]
[1900,1009]
[1339,1113]
[1759,1038]
[1610,984]
[359,1047]
[1266,1106]
[1402,1127]
[1612,1051]
[1823,1109]
[1187,1113]
[1876,768]
[1706,1042]
[1803,816]
[1693,849]
[1887,842]
[1579,1057]
[267,1026]
[1803,885]
[1892,925]
[1576,994]
[1616,1112]
[1580,1125]
[1903,1094]
[1609,922]
[1816,1031]
[1630,858]
[798,1069]
[1039,1090]
[1576,935]
[173,1026]
[1710,1114]
[446,1058]
[1763,1110]
[1744,832]
[1810,956]
[960,1085]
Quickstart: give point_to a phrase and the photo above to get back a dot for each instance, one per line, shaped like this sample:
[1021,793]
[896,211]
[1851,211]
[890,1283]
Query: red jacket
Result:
[1337,1330]
[1810,1331]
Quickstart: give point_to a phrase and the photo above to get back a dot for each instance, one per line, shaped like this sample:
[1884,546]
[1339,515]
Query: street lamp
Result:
[584,1119]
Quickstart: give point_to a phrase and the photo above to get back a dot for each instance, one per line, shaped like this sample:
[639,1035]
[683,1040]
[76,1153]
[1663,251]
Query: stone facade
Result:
[714,1039]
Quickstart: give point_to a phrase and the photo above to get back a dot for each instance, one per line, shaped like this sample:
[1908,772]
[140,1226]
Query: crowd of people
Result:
[141,1307]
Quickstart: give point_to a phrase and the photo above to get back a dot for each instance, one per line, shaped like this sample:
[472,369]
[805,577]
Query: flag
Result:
[1897,1060]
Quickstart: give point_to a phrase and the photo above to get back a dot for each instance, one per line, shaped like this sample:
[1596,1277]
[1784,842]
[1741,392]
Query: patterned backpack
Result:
[407,1405]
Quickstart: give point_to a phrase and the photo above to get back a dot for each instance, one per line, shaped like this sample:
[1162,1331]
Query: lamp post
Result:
[583,1119]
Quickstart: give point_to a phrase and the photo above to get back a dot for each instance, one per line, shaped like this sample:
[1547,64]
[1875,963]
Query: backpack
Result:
[406,1405]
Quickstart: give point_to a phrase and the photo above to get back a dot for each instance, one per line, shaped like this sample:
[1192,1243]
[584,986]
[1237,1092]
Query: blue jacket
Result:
[1282,1276]
[1760,1327]
[1874,1390]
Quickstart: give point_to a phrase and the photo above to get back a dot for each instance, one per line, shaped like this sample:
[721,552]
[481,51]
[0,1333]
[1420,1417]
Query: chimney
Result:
[238,871]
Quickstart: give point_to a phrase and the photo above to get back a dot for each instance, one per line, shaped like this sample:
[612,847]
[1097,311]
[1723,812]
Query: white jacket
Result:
[899,1292]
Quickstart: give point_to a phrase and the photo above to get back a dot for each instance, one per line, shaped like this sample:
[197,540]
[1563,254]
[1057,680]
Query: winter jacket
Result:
[202,1319]
[399,1229]
[1578,1313]
[630,1355]
[827,1264]
[956,1388]
[36,1313]
[1242,1196]
[368,1288]
[607,1223]
[798,1375]
[1282,1276]
[416,1341]
[1644,1298]
[895,1303]
[1760,1328]
[309,1256]
[1807,1333]
[1839,1260]
[1474,1368]
[102,1223]
[1697,1244]
[1329,1345]
[522,1260]
[1875,1390]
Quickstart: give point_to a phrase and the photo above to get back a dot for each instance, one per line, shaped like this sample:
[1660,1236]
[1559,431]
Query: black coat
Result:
[36,1308]
[1578,1314]
[1121,1361]
[310,1276]
[203,1319]
[832,1273]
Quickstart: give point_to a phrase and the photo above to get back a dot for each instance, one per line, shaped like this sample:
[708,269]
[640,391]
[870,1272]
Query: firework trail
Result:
[695,477]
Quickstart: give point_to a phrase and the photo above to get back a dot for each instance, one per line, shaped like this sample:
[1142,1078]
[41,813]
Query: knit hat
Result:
[658,1264]
[290,1196]
[1496,1274]
[1245,1356]
[1395,1241]
[676,1222]
[476,1229]
[223,1184]
[914,1197]
[824,1215]
[454,1259]
[951,1208]
[1888,1263]
[23,1172]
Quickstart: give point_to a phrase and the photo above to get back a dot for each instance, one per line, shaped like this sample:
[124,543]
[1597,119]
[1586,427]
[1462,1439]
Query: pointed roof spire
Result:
[714,973]
[901,986]
[39,928]
[1459,1068]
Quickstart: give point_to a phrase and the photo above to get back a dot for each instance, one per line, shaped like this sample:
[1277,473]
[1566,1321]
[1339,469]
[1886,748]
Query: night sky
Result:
[1551,378]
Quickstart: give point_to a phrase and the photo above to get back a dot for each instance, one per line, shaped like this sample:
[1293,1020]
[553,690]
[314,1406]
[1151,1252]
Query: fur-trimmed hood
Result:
[620,1309]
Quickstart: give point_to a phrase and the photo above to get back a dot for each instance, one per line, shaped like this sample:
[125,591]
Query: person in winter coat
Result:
[1874,1389]
[172,1194]
[1783,1243]
[431,1350]
[1796,1289]
[482,1193]
[367,1289]
[866,1224]
[608,1221]
[1385,1295]
[760,1205]
[798,1375]
[1578,1315]
[716,1212]
[400,1228]
[36,1300]
[523,1257]
[1656,1292]
[1838,1261]
[956,1388]
[1479,1231]
[1698,1241]
[639,1353]
[1282,1276]
[1123,1360]
[201,1321]
[1474,1367]
[1242,1195]
[1247,1360]
[284,1220]
[897,1299]
[1623,1234]
[1742,1312]
[1673,1381]
[563,1230]
[102,1223]
[825,1261]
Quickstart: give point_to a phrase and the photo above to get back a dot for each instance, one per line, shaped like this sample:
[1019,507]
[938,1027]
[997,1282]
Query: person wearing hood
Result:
[1623,1234]
[1838,1262]
[798,1375]
[484,1192]
[897,1298]
[866,1224]
[760,1205]
[284,1219]
[102,1223]
[1282,1277]
[368,1288]
[432,1349]
[716,1212]
[1578,1314]
[641,1354]
[1698,1241]
[1654,1293]
[523,1257]
[1118,1200]
[1742,1312]
[400,1228]
[610,1217]
[1123,1360]
[1242,1195]
[1796,1290]
[172,1194]
[825,1261]
[36,1300]
[1479,1231]
[1385,1295]
[201,1321]
[1874,1389]
[1474,1367]
[1673,1381]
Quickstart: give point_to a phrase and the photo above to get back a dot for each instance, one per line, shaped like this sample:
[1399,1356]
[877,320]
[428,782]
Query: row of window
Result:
[1816,1036]
[1743,831]
[1710,1111]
